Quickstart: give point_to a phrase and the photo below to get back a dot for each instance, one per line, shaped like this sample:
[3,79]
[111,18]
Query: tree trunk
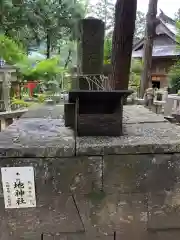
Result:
[151,21]
[125,16]
[48,49]
[68,59]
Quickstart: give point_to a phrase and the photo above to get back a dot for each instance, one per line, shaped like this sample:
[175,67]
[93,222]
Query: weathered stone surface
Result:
[65,236]
[149,173]
[69,193]
[90,46]
[38,138]
[51,214]
[39,133]
[164,211]
[138,138]
[105,213]
[140,114]
[134,192]
[144,132]
[77,236]
[45,111]
[57,180]
[108,124]
[47,137]
[12,114]
[62,175]
[172,234]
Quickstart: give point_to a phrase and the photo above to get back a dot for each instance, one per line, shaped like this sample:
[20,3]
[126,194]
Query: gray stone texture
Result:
[108,124]
[57,180]
[90,46]
[128,185]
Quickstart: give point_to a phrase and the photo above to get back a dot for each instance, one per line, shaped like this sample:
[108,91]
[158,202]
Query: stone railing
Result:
[172,105]
[7,118]
[13,106]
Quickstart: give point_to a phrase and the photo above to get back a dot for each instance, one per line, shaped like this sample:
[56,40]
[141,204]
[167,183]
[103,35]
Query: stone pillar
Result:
[6,86]
[168,107]
[90,49]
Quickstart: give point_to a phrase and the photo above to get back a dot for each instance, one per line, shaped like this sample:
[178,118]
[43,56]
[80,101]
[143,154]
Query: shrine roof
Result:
[160,51]
[165,42]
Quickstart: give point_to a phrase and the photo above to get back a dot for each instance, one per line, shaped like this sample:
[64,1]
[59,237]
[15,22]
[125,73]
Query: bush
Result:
[136,66]
[174,76]
[20,102]
[135,74]
[41,98]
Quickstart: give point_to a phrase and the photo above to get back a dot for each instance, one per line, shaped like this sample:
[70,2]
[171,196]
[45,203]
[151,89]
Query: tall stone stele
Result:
[90,49]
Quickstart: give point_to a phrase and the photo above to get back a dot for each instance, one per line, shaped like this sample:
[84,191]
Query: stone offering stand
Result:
[94,187]
[90,109]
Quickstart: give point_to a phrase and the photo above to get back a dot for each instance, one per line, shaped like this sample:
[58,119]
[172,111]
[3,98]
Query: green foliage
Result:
[20,102]
[53,19]
[10,51]
[174,76]
[178,35]
[46,70]
[41,98]
[135,74]
[33,22]
[107,50]
[136,66]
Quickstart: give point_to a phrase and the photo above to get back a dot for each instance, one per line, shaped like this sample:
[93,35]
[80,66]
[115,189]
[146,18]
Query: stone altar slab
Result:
[128,185]
[140,114]
[38,138]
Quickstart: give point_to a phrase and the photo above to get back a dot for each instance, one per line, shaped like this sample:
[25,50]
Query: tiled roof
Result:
[160,51]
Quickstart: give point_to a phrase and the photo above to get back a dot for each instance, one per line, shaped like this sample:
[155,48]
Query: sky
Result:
[169,7]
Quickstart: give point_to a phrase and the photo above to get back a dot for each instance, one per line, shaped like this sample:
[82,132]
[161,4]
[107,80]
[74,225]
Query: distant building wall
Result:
[160,68]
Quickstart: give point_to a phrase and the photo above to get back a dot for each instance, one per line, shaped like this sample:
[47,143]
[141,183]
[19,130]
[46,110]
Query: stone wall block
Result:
[123,213]
[56,180]
[139,173]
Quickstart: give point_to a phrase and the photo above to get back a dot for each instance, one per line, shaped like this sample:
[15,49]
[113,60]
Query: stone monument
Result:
[92,104]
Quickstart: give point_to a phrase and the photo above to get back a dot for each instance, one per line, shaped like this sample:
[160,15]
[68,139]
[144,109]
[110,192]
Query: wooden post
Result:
[125,16]
[151,21]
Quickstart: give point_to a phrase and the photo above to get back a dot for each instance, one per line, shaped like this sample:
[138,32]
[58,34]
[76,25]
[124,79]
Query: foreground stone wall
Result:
[134,196]
[96,188]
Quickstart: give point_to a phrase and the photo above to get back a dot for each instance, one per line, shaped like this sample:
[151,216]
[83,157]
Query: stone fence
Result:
[94,187]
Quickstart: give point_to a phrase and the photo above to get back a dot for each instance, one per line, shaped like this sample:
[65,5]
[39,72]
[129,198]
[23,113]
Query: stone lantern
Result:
[7,76]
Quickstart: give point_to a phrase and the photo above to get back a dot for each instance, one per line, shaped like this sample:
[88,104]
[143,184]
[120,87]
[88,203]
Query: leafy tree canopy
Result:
[10,51]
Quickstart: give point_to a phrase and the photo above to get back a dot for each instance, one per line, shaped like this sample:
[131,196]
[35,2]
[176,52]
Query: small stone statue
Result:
[149,97]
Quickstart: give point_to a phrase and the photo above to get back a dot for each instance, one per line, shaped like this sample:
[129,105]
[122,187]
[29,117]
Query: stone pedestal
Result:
[97,113]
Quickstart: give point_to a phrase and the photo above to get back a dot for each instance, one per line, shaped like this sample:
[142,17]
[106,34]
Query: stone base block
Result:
[99,124]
